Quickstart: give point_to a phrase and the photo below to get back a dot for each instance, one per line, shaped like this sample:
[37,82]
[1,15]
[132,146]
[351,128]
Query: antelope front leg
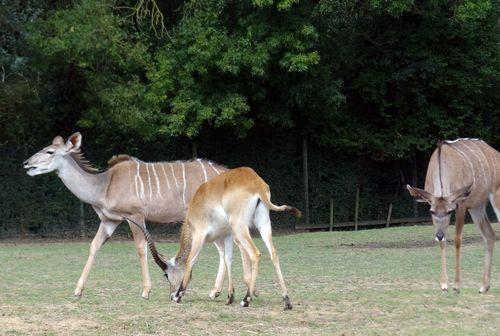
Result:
[106,229]
[444,275]
[198,239]
[459,225]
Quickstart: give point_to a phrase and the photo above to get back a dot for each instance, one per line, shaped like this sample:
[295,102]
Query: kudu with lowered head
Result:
[158,192]
[224,208]
[462,175]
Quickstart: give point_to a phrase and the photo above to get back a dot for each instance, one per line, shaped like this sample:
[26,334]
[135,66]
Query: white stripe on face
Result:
[158,193]
[204,171]
[175,180]
[212,165]
[165,174]
[184,179]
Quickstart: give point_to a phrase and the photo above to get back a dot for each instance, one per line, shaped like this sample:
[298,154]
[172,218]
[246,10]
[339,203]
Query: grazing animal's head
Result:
[50,158]
[440,207]
[173,272]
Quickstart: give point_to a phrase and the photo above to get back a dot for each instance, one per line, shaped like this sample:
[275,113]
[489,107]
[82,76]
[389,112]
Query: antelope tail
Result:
[158,258]
[265,197]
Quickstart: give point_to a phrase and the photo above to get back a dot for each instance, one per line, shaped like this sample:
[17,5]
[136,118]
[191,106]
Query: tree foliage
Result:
[363,81]
[376,78]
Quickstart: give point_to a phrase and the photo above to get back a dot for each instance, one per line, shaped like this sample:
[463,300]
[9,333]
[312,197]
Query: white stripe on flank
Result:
[485,161]
[136,187]
[175,180]
[149,181]
[204,171]
[138,175]
[165,174]
[468,162]
[212,165]
[479,162]
[184,188]
[130,176]
[158,193]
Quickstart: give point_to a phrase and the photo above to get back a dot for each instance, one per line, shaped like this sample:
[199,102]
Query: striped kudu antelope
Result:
[224,208]
[158,192]
[462,175]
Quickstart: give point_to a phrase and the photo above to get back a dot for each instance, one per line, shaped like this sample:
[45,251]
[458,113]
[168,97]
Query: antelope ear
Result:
[58,140]
[420,195]
[74,142]
[460,194]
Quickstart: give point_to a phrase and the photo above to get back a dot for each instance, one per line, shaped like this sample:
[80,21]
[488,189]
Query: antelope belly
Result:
[218,224]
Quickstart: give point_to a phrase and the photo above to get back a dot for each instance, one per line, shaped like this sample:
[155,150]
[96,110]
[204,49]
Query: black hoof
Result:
[484,290]
[246,301]
[288,304]
[456,290]
[230,299]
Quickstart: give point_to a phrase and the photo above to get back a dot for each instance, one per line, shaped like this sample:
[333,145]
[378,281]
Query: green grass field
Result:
[373,282]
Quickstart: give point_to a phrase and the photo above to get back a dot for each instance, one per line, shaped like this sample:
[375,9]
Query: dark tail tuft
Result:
[294,211]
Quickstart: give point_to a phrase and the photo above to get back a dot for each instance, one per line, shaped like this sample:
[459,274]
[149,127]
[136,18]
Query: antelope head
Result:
[440,207]
[172,271]
[50,158]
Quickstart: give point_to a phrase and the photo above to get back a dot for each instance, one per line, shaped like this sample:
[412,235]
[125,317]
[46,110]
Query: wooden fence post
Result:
[414,184]
[306,180]
[331,214]
[389,213]
[194,150]
[356,207]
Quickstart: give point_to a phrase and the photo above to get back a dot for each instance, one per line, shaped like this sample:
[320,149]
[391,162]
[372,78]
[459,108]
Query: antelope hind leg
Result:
[219,280]
[481,220]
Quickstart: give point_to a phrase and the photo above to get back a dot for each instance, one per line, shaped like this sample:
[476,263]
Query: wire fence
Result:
[342,190]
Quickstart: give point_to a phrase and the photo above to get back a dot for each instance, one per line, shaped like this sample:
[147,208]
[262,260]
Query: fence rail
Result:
[381,222]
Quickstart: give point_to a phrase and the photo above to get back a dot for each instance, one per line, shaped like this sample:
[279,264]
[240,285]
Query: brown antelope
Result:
[224,208]
[462,175]
[158,192]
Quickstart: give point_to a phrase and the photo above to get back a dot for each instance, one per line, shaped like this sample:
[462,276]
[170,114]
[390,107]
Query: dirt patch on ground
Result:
[412,243]
[33,325]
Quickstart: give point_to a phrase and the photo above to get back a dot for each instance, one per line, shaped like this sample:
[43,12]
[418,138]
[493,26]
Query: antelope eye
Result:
[50,152]
[449,212]
[433,212]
